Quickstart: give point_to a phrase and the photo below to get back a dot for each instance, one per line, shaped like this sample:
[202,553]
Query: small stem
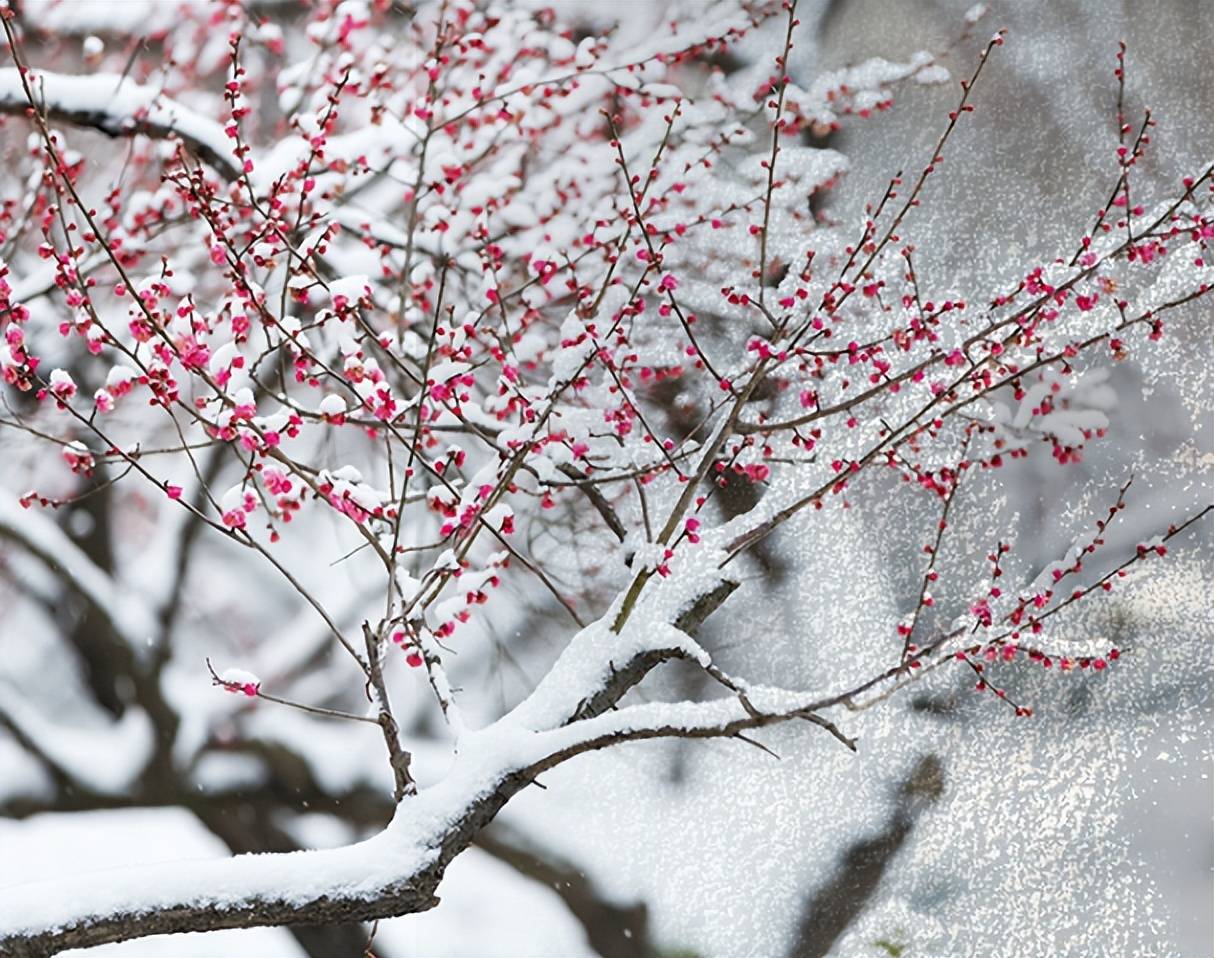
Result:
[398,758]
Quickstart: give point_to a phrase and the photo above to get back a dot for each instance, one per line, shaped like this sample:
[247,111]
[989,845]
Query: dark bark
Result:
[247,826]
[830,911]
[612,930]
[403,895]
[630,673]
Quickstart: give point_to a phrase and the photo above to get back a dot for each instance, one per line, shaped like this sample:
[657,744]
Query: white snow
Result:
[51,848]
[128,613]
[104,759]
[333,405]
[241,677]
[118,101]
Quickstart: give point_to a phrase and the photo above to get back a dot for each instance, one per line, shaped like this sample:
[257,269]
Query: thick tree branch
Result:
[116,106]
[394,873]
[398,871]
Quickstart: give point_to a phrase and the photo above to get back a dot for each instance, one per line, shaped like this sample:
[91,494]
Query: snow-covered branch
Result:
[479,331]
[118,107]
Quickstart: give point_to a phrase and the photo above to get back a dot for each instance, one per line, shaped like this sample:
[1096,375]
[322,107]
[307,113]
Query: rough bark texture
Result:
[248,827]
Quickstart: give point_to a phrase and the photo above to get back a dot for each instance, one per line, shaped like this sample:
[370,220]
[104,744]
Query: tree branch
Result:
[116,106]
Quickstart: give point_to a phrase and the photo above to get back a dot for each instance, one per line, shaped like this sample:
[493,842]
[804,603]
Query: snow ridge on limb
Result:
[117,106]
[394,873]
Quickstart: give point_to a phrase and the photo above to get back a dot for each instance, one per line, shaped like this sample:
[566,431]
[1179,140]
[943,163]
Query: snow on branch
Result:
[383,875]
[437,313]
[117,106]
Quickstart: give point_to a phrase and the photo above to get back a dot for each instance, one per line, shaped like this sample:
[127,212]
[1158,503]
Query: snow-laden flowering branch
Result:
[465,278]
